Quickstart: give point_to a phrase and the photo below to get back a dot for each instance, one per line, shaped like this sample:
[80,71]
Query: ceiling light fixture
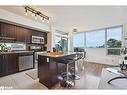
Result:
[32,14]
[36,13]
[43,20]
[26,12]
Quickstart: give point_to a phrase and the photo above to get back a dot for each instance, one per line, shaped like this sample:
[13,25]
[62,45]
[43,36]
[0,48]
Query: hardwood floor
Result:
[90,76]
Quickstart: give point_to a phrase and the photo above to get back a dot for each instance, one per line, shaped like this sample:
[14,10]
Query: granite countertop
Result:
[13,52]
[57,54]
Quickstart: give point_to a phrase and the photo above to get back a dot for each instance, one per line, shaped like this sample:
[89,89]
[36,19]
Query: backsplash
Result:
[15,46]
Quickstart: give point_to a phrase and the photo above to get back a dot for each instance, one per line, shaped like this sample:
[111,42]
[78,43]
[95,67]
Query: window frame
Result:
[122,39]
[59,34]
[84,37]
[92,31]
[105,47]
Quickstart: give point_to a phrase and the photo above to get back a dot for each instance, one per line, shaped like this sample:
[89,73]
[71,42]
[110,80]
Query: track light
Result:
[36,14]
[26,12]
[32,14]
[43,20]
[47,21]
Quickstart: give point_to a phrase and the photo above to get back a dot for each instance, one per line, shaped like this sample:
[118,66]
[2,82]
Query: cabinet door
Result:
[0,29]
[8,30]
[11,63]
[23,34]
[1,66]
[53,71]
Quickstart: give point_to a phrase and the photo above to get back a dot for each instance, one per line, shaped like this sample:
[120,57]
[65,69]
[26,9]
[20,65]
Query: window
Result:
[114,40]
[95,39]
[61,42]
[108,38]
[79,41]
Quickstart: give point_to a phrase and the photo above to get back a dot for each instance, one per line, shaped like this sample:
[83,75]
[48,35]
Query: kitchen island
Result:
[49,68]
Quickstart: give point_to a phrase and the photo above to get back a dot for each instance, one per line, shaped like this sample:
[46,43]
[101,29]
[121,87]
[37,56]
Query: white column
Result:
[70,41]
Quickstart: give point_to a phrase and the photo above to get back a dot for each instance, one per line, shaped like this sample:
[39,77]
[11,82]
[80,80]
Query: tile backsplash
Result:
[16,46]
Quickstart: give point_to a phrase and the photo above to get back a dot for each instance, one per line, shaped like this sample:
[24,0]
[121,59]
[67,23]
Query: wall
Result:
[99,55]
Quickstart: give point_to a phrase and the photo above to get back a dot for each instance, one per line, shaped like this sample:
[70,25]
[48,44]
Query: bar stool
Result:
[78,57]
[65,78]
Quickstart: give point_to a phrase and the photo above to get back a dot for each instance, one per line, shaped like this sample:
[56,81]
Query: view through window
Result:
[95,39]
[79,41]
[109,38]
[61,42]
[114,40]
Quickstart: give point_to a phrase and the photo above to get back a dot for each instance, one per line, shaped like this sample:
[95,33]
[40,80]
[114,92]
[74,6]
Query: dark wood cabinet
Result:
[0,29]
[11,63]
[44,72]
[8,30]
[8,64]
[21,34]
[1,66]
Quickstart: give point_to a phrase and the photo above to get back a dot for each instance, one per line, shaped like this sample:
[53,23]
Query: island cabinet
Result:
[47,71]
[49,68]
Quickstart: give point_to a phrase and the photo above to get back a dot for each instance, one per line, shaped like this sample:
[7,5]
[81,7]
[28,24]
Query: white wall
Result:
[99,55]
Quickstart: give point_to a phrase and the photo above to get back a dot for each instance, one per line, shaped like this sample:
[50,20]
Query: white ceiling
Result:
[80,17]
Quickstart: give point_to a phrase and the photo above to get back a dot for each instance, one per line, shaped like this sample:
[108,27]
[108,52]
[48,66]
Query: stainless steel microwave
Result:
[37,40]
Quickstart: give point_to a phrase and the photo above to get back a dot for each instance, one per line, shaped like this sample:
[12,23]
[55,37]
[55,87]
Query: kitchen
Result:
[19,47]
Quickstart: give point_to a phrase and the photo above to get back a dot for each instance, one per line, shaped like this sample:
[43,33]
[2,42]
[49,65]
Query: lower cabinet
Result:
[8,64]
[11,63]
[1,66]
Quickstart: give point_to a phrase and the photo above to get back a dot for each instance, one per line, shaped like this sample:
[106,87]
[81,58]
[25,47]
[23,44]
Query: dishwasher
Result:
[26,61]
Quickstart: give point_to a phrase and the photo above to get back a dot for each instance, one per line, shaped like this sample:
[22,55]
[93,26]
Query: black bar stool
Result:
[66,77]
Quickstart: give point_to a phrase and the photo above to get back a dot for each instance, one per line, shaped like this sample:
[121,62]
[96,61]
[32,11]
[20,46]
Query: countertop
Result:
[16,52]
[57,54]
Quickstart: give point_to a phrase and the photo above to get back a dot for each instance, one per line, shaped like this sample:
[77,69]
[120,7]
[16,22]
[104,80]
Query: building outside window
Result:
[61,42]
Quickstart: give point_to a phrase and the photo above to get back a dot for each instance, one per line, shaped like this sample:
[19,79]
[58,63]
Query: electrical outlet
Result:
[47,59]
[112,60]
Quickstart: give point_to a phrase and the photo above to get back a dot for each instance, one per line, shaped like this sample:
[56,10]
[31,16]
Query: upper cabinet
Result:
[21,34]
[8,30]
